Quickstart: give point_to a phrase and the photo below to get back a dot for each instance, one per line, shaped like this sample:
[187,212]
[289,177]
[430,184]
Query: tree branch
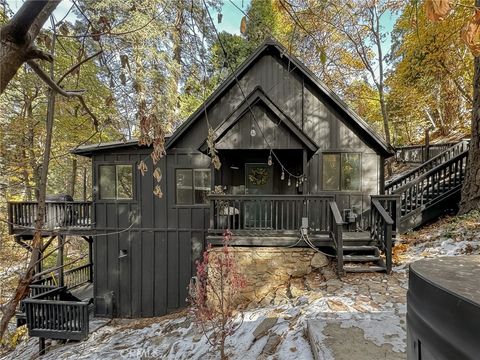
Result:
[76,66]
[56,88]
[52,84]
[18,28]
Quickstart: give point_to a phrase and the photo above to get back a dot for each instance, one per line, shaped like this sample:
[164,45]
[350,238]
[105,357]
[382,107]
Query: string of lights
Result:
[299,179]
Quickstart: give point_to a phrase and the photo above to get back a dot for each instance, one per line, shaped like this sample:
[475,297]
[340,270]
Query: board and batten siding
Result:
[309,109]
[145,249]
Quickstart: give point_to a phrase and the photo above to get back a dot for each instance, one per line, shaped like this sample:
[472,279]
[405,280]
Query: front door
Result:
[258,181]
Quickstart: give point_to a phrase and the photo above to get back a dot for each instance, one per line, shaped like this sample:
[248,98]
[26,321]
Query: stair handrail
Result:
[336,229]
[430,172]
[453,151]
[381,224]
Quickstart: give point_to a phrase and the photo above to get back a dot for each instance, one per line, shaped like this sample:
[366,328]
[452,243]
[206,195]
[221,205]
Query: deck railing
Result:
[381,227]
[452,152]
[49,317]
[269,213]
[392,205]
[420,153]
[72,279]
[434,184]
[58,215]
[336,228]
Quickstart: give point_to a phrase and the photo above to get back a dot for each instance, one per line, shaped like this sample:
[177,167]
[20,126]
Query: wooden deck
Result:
[61,218]
[257,238]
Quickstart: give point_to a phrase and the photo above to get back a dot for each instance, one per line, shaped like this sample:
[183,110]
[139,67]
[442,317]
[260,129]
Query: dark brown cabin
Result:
[294,160]
[278,109]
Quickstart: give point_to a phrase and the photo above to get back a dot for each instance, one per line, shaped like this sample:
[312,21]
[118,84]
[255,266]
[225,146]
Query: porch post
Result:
[90,256]
[304,183]
[212,206]
[305,170]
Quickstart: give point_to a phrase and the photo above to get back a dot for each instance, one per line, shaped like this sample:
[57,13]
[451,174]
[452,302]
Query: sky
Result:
[230,22]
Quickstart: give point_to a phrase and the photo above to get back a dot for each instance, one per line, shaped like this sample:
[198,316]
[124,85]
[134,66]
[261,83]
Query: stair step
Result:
[363,269]
[359,248]
[361,258]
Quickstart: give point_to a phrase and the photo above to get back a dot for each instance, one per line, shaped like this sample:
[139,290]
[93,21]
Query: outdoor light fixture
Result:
[282,177]
[289,181]
[270,162]
[253,132]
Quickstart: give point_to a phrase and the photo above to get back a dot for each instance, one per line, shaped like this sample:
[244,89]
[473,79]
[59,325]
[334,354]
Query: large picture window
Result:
[192,186]
[116,182]
[342,172]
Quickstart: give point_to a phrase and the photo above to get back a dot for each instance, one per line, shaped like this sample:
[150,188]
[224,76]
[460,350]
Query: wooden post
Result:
[84,184]
[304,183]
[90,256]
[61,244]
[41,346]
[427,145]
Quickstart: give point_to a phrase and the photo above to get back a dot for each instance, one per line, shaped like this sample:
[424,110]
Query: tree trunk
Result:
[18,35]
[471,185]
[36,255]
[73,179]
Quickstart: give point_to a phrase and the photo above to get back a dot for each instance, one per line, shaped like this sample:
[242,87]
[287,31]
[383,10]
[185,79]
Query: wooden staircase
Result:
[432,189]
[363,258]
[410,201]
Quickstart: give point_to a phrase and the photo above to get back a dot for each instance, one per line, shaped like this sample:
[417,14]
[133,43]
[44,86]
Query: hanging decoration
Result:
[437,10]
[471,33]
[243,25]
[212,151]
[258,176]
[254,125]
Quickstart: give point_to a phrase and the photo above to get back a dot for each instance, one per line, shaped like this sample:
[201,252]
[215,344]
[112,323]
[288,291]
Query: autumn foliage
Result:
[437,10]
[471,33]
[213,295]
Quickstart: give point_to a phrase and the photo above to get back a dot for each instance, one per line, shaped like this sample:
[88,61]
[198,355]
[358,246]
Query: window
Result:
[192,186]
[342,172]
[351,168]
[116,182]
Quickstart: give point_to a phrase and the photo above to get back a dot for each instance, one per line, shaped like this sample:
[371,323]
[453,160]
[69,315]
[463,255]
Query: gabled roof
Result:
[360,126]
[255,97]
[89,149]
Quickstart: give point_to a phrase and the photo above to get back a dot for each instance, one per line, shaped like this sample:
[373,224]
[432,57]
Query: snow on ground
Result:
[360,309]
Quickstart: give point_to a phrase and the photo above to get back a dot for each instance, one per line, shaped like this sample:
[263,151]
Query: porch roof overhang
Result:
[259,97]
